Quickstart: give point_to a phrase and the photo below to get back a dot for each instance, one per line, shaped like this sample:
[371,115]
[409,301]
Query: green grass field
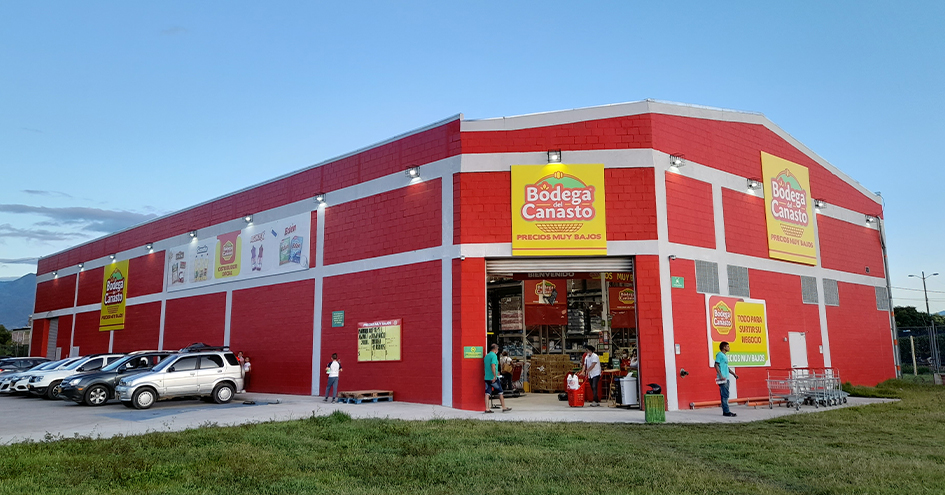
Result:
[887,448]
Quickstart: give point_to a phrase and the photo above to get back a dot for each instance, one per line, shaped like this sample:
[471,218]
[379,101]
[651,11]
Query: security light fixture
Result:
[870,219]
[819,203]
[320,198]
[193,233]
[112,256]
[149,246]
[55,274]
[677,160]
[81,266]
[672,257]
[754,184]
[248,218]
[554,156]
[413,172]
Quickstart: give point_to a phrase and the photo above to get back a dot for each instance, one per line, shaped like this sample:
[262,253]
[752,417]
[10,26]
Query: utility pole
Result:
[933,344]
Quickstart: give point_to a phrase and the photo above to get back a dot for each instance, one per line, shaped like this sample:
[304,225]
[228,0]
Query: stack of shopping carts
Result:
[805,386]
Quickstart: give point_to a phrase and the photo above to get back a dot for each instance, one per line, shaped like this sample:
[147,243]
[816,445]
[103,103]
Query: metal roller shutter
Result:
[523,265]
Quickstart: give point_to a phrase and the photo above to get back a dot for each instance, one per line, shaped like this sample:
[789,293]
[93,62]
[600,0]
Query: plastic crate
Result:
[654,408]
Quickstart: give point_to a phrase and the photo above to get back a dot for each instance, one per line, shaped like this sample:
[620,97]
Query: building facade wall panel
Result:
[194,319]
[90,286]
[39,338]
[689,211]
[142,328]
[469,329]
[849,248]
[605,134]
[689,324]
[650,321]
[145,274]
[410,292]
[64,334]
[630,195]
[272,325]
[482,207]
[860,337]
[57,293]
[397,221]
[87,337]
[746,229]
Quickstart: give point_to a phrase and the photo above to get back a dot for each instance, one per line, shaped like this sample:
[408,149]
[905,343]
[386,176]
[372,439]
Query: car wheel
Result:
[97,395]
[144,398]
[223,393]
[52,391]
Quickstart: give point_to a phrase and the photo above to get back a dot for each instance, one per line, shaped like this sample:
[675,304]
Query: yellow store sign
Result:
[788,210]
[558,210]
[114,294]
[741,322]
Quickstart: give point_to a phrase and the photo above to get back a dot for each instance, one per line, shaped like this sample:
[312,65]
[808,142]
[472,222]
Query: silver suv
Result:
[211,374]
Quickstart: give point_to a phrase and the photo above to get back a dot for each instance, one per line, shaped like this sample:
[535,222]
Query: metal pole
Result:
[894,332]
[933,345]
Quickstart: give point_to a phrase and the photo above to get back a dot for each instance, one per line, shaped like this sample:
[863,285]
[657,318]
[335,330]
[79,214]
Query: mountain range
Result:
[16,301]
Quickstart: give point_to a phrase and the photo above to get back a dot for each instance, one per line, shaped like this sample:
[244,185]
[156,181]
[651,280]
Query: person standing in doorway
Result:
[722,372]
[493,385]
[247,369]
[592,371]
[333,370]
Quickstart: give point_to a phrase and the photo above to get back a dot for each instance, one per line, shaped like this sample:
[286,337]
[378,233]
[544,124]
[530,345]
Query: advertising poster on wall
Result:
[788,210]
[743,323]
[623,306]
[546,302]
[379,340]
[558,210]
[114,293]
[256,250]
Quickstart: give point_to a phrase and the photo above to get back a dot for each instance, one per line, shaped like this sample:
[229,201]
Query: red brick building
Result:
[384,245]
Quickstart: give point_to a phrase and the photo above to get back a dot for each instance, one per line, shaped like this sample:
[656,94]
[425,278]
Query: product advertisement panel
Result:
[379,340]
[788,210]
[558,210]
[743,323]
[256,250]
[546,302]
[114,293]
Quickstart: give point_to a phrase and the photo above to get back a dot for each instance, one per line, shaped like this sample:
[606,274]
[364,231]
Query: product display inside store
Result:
[545,320]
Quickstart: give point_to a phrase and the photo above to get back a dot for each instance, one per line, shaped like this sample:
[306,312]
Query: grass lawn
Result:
[887,448]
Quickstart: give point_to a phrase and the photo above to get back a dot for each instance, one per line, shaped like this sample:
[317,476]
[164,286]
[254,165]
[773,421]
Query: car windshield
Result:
[164,364]
[71,364]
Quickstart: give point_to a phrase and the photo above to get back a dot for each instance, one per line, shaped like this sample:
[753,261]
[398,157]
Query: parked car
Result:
[194,372]
[7,380]
[46,384]
[19,383]
[96,388]
[17,364]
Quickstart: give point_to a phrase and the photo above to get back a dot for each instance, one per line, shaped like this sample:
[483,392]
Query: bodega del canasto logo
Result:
[559,203]
[789,203]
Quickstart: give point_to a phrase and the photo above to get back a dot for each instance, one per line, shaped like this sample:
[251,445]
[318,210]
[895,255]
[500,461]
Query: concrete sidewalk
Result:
[36,419]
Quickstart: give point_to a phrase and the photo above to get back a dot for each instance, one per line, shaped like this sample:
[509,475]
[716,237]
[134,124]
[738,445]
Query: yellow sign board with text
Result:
[741,322]
[788,210]
[379,340]
[558,210]
[114,294]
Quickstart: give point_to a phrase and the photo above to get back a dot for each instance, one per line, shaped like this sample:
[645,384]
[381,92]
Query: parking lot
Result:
[28,418]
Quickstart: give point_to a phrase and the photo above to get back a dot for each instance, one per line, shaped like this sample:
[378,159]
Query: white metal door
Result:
[798,344]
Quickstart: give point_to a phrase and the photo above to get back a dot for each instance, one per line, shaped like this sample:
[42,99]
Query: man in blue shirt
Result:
[491,362]
[722,373]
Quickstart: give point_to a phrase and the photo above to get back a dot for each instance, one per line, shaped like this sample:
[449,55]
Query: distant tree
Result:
[909,316]
[5,337]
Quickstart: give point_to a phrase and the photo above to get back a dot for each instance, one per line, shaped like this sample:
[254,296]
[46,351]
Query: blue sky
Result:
[113,112]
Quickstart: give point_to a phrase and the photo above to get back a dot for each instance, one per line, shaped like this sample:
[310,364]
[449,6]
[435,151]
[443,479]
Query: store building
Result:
[651,227]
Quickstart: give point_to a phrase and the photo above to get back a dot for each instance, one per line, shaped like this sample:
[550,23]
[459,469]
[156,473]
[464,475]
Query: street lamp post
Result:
[933,344]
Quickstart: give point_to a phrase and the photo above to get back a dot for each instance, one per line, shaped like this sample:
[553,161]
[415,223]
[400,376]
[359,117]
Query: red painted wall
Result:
[39,339]
[469,329]
[194,319]
[90,286]
[424,147]
[64,334]
[482,207]
[410,292]
[273,327]
[860,338]
[313,236]
[631,204]
[689,211]
[87,337]
[689,329]
[605,134]
[145,275]
[849,248]
[650,322]
[745,224]
[396,221]
[142,328]
[57,293]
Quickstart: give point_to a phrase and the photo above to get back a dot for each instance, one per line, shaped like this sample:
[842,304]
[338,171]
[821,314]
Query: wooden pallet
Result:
[359,396]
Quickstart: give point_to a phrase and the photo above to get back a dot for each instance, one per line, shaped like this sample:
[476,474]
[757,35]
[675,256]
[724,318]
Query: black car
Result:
[17,364]
[95,389]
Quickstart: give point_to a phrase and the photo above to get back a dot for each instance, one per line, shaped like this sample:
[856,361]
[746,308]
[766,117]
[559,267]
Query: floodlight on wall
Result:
[320,198]
[676,161]
[55,274]
[112,256]
[554,156]
[248,218]
[870,219]
[820,204]
[193,233]
[81,266]
[413,172]
[149,246]
[754,184]
[672,257]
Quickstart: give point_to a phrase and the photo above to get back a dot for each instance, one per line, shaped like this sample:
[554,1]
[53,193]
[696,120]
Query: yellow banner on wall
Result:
[558,210]
[788,210]
[743,323]
[114,294]
[379,341]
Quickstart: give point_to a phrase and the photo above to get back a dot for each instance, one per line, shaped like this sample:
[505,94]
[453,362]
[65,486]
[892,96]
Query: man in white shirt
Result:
[591,370]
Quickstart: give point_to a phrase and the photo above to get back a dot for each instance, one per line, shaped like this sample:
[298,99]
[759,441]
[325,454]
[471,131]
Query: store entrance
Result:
[542,322]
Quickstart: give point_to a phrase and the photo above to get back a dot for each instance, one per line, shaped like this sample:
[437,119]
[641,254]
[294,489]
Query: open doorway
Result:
[542,322]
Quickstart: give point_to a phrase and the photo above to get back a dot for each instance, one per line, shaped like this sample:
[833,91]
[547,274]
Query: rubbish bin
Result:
[628,389]
[654,408]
